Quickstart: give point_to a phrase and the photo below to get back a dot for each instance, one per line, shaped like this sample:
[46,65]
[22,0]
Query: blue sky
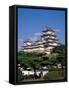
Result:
[31,22]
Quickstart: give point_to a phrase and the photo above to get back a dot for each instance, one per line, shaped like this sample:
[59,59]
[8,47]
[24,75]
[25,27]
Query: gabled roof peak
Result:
[46,28]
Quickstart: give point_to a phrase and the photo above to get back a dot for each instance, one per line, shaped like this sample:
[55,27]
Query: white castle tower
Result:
[27,46]
[50,38]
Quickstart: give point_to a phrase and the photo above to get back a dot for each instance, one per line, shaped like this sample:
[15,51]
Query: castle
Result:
[47,41]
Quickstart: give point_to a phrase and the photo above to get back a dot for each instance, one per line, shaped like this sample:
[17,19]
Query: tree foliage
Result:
[29,59]
[38,60]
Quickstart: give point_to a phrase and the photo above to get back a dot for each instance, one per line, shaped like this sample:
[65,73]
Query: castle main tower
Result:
[50,39]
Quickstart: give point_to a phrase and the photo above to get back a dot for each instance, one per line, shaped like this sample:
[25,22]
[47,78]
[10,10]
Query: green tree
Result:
[53,58]
[60,50]
[19,75]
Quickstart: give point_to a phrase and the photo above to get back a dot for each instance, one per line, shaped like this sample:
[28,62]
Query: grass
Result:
[55,74]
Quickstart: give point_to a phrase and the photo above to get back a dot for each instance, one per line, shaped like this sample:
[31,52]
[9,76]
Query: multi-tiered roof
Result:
[50,37]
[51,40]
[46,43]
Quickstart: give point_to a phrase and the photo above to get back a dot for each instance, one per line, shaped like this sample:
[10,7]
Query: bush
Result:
[19,75]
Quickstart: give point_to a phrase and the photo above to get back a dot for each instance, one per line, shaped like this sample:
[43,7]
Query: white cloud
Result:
[37,34]
[20,40]
[33,38]
[20,43]
[57,30]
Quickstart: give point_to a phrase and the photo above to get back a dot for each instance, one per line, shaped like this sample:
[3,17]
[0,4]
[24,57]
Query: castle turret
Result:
[27,46]
[40,45]
[50,39]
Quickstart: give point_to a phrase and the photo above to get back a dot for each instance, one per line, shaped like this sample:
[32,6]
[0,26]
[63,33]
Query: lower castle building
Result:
[48,40]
